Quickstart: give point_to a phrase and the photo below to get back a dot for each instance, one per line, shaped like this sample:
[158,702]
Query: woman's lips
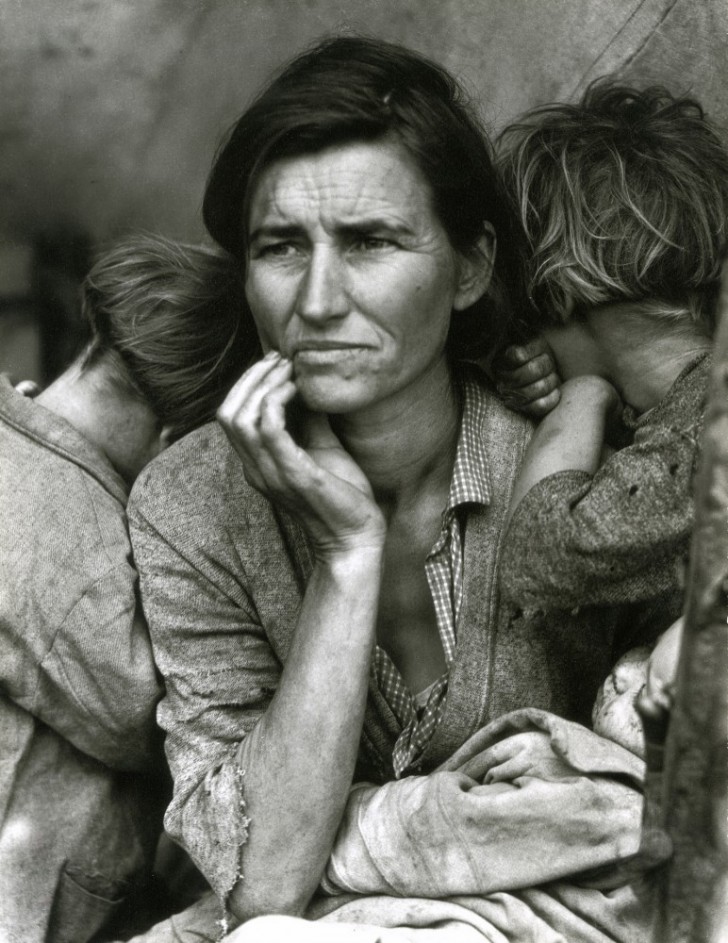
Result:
[326,353]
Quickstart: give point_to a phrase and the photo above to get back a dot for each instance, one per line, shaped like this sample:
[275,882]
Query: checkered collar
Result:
[470,480]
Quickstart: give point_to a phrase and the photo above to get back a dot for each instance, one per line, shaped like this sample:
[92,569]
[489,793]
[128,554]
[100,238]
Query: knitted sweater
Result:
[621,535]
[222,575]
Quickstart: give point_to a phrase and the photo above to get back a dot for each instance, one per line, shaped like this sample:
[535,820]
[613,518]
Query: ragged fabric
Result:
[531,827]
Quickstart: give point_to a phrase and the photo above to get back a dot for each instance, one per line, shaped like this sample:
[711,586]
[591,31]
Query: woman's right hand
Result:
[317,481]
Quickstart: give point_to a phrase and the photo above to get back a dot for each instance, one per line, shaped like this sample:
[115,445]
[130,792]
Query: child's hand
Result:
[526,378]
[662,669]
[27,388]
[655,701]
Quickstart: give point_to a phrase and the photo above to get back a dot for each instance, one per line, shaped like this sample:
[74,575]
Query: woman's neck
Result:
[406,445]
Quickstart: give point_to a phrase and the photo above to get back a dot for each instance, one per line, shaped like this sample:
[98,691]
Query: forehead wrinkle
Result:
[333,190]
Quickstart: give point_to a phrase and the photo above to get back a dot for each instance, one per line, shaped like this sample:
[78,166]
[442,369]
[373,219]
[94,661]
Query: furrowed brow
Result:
[373,226]
[282,231]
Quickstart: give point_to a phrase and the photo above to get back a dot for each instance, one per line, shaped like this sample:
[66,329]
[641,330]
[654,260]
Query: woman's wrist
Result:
[356,555]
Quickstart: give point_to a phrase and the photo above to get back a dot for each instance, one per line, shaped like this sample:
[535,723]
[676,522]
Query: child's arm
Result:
[582,533]
[571,437]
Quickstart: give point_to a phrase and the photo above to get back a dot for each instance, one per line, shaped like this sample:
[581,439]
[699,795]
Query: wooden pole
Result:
[693,886]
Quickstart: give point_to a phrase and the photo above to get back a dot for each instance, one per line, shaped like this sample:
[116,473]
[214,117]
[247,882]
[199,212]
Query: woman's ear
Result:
[476,270]
[165,437]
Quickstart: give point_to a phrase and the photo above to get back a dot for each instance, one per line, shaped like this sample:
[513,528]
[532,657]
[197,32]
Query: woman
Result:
[321,584]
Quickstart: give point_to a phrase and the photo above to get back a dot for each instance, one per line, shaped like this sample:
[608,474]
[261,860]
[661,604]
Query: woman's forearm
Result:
[298,762]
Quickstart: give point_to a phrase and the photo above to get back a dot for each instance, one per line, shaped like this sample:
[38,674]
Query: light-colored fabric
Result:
[79,801]
[222,576]
[279,929]
[482,835]
[485,821]
[623,534]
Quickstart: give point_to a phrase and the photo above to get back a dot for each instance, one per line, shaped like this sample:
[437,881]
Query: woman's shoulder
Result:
[198,478]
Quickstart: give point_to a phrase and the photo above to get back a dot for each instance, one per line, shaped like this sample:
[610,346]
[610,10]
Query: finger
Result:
[541,407]
[272,423]
[518,354]
[537,368]
[536,400]
[240,414]
[540,388]
[27,388]
[242,391]
[241,420]
[509,770]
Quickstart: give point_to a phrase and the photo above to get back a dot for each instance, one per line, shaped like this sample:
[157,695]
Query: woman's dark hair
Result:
[166,319]
[358,89]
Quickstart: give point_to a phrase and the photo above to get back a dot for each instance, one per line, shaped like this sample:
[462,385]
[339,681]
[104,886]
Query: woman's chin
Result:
[331,395]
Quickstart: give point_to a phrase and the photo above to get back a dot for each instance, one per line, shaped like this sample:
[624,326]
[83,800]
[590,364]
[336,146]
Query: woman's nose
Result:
[322,293]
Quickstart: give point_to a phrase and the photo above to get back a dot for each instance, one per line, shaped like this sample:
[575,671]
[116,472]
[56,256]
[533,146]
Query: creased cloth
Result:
[531,826]
[223,574]
[621,535]
[82,780]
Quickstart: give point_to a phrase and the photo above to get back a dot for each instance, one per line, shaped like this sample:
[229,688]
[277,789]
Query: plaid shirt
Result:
[444,571]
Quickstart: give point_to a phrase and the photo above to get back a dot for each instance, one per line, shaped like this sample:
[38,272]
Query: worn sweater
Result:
[621,535]
[222,577]
[80,754]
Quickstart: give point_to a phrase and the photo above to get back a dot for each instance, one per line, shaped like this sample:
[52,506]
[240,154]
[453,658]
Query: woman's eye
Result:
[372,243]
[278,250]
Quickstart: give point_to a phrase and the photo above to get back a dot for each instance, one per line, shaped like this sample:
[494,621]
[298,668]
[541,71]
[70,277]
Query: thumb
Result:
[316,432]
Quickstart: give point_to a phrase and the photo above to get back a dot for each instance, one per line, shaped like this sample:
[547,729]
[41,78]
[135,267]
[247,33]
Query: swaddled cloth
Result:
[527,833]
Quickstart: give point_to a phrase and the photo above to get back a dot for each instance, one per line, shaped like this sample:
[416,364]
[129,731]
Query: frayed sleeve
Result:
[219,672]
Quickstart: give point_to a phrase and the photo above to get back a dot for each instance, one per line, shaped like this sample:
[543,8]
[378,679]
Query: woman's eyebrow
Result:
[373,225]
[366,226]
[275,230]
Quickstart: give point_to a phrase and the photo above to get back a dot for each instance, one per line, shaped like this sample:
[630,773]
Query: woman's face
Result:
[351,275]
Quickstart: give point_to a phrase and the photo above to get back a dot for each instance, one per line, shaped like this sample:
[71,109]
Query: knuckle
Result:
[518,354]
[544,363]
[223,415]
[542,387]
[526,374]
[534,371]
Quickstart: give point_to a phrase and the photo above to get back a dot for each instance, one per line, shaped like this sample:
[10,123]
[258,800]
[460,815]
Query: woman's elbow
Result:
[273,896]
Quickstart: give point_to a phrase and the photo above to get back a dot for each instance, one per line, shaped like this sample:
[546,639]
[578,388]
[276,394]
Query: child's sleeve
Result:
[618,536]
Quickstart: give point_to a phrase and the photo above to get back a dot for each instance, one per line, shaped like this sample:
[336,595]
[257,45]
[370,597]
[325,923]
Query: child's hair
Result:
[624,198]
[166,317]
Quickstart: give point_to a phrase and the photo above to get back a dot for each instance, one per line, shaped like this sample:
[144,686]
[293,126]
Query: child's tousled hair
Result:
[166,317]
[624,198]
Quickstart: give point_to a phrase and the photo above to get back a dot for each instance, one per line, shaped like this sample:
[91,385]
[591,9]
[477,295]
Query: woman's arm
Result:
[490,823]
[300,758]
[282,764]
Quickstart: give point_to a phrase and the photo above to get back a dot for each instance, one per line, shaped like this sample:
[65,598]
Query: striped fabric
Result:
[420,715]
